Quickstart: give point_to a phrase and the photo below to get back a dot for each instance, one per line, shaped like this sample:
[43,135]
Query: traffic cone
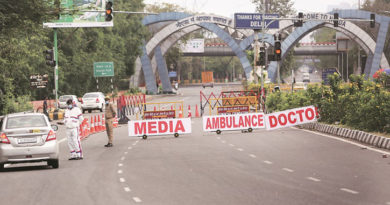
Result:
[88,127]
[196,111]
[103,123]
[189,111]
[92,130]
[99,124]
[115,123]
[95,124]
[180,113]
[81,130]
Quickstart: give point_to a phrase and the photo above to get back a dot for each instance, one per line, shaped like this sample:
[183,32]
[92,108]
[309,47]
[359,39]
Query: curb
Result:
[356,135]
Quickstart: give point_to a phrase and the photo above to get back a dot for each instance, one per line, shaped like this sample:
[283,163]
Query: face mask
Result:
[107,102]
[70,106]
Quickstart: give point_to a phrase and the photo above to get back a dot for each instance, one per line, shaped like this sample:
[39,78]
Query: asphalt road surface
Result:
[286,166]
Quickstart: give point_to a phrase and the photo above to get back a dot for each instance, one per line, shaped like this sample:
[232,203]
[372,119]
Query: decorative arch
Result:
[209,22]
[374,49]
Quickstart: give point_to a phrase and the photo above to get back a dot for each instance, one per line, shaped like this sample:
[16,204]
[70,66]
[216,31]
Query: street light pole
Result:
[56,67]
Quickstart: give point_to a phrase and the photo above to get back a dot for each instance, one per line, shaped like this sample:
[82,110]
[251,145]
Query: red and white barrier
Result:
[233,122]
[159,127]
[289,118]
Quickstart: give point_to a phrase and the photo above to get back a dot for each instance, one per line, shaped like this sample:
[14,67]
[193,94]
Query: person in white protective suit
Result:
[72,120]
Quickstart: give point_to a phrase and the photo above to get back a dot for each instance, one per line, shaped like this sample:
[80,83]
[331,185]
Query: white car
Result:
[63,98]
[92,101]
[28,137]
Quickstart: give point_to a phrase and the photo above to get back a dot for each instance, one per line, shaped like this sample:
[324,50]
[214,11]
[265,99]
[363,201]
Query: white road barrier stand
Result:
[146,128]
[289,118]
[218,123]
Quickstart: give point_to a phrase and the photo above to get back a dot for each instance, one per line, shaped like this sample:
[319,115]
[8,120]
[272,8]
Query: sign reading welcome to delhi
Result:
[103,69]
[325,17]
[255,21]
[291,117]
[159,127]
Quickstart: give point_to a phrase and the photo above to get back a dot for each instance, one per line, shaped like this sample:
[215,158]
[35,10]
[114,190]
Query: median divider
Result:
[355,135]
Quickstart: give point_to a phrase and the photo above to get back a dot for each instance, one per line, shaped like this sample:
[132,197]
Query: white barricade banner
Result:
[233,122]
[289,118]
[159,127]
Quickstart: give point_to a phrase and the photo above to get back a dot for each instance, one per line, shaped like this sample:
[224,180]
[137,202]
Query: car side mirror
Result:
[54,127]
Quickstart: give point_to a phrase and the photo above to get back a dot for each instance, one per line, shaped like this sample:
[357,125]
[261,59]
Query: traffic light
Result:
[261,61]
[372,22]
[278,51]
[336,19]
[109,11]
[299,23]
[50,61]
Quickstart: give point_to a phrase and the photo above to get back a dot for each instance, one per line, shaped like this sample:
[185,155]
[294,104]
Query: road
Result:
[286,166]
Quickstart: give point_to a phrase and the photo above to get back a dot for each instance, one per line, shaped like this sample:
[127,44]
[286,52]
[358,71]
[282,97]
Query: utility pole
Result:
[56,67]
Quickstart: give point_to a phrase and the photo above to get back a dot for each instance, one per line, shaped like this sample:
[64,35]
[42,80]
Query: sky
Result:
[228,7]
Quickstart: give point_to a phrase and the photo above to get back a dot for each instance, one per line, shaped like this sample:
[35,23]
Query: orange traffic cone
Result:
[88,127]
[196,111]
[189,111]
[115,123]
[99,124]
[103,123]
[95,124]
[92,130]
[180,113]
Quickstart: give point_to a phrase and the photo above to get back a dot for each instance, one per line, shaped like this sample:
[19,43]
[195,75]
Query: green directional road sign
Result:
[103,69]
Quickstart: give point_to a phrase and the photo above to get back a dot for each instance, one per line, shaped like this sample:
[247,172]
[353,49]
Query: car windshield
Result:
[65,98]
[26,121]
[91,95]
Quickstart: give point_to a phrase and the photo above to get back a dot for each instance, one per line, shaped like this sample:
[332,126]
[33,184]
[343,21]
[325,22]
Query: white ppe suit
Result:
[72,120]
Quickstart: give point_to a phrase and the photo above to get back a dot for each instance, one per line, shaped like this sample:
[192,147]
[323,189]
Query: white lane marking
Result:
[313,179]
[232,145]
[129,148]
[267,162]
[224,142]
[252,155]
[288,170]
[126,152]
[120,164]
[122,180]
[120,171]
[127,189]
[122,158]
[347,141]
[134,144]
[136,199]
[239,149]
[61,141]
[349,191]
[219,138]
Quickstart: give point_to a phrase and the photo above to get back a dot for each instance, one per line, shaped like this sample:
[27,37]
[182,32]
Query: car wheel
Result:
[89,111]
[83,111]
[53,163]
[101,109]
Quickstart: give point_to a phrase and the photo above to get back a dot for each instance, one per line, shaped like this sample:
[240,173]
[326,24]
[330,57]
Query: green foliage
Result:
[23,40]
[18,104]
[281,7]
[360,104]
